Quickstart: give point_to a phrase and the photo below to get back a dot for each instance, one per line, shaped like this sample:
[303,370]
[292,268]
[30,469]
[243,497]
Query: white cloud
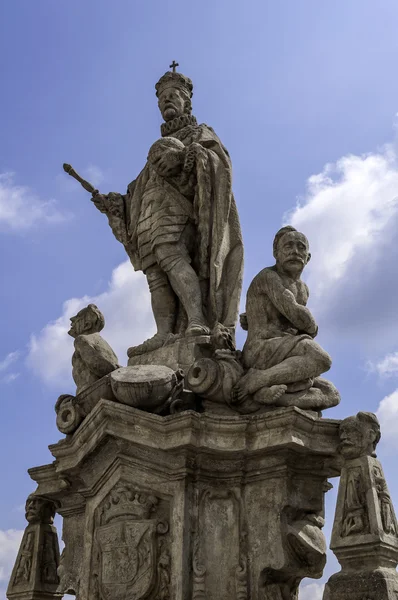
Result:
[21,208]
[6,363]
[386,367]
[350,215]
[9,545]
[387,414]
[312,591]
[344,212]
[9,360]
[127,309]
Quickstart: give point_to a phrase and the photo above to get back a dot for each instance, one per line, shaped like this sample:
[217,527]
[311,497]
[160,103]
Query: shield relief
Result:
[127,559]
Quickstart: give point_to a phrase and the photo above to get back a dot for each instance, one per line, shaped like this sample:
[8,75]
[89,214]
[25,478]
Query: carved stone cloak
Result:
[219,256]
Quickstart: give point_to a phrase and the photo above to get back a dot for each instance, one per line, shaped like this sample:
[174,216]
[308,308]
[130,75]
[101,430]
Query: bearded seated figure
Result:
[283,363]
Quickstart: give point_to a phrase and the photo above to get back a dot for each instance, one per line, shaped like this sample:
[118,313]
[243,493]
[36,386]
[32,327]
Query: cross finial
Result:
[174,65]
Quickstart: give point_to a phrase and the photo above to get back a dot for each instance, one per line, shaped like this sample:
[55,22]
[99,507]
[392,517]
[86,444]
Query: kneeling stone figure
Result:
[281,358]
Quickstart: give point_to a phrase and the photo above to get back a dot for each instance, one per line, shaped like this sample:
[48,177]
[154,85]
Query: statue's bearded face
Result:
[171,103]
[293,252]
[356,438]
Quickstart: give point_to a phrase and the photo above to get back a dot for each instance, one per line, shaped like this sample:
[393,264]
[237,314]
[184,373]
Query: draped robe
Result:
[218,254]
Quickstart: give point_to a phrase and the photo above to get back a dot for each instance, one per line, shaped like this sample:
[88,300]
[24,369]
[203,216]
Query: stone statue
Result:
[364,536]
[39,510]
[359,435]
[282,359]
[35,570]
[93,357]
[179,224]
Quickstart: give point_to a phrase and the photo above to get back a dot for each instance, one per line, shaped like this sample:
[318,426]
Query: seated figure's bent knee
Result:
[321,356]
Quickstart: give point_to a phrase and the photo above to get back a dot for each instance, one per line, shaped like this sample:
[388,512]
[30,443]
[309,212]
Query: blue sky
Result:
[305,97]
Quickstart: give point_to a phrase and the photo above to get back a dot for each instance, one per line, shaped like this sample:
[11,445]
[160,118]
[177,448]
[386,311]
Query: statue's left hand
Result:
[170,162]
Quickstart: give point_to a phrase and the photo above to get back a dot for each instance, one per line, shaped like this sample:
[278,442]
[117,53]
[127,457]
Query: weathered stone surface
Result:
[160,499]
[153,388]
[213,379]
[365,533]
[34,576]
[282,361]
[179,224]
[179,353]
[93,357]
[71,410]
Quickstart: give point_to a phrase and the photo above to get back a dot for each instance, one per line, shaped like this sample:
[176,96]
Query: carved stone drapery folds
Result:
[191,506]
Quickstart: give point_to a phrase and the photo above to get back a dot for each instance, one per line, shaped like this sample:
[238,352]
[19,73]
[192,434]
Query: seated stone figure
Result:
[93,357]
[282,360]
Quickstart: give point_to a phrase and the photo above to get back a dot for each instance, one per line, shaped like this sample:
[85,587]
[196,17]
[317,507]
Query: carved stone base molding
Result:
[191,506]
[364,536]
[379,584]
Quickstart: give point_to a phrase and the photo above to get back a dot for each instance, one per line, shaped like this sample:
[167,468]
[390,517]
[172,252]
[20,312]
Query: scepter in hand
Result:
[97,198]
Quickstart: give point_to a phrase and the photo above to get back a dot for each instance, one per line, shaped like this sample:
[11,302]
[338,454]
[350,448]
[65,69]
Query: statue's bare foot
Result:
[155,342]
[245,387]
[270,395]
[197,328]
[299,386]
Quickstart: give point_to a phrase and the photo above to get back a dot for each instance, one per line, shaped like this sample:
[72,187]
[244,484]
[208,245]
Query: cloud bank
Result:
[127,309]
[350,215]
[312,591]
[22,209]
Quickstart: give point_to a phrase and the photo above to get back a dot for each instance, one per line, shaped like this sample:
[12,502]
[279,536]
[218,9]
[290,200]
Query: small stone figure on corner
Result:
[282,359]
[359,435]
[93,357]
[92,360]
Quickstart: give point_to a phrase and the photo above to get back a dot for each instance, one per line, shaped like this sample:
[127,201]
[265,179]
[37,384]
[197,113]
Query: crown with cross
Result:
[172,79]
[124,501]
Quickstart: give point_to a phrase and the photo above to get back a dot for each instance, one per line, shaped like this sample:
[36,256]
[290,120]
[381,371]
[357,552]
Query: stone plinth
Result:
[365,535]
[191,506]
[34,576]
[179,354]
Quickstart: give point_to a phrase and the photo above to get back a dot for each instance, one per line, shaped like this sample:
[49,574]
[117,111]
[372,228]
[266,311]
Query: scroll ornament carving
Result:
[199,569]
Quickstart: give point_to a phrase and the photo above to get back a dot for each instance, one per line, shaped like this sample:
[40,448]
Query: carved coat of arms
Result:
[129,548]
[128,559]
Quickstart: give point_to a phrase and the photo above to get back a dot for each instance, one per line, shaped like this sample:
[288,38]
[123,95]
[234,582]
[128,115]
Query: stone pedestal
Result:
[34,576]
[364,537]
[181,353]
[191,506]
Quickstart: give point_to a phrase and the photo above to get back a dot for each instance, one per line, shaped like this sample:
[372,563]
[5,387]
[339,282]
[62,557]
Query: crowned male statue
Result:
[179,224]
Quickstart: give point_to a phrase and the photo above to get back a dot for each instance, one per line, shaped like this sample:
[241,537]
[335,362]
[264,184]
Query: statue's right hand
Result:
[100,201]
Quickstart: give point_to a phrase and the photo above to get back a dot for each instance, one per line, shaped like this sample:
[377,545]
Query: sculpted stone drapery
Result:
[179,224]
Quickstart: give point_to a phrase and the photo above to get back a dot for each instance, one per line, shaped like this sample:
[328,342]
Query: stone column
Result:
[193,506]
[34,576]
[364,536]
